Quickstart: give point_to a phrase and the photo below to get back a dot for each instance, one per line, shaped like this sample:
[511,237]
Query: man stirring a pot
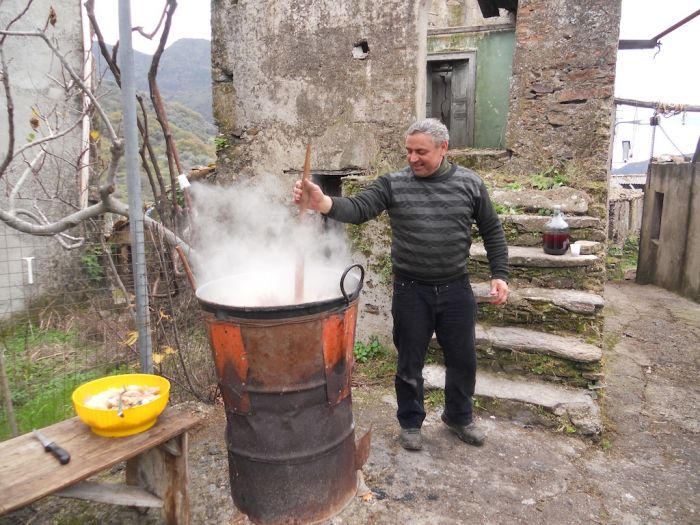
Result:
[432,204]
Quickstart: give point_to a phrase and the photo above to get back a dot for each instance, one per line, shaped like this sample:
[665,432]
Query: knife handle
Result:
[60,453]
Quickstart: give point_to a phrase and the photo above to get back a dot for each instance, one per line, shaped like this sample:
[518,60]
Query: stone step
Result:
[575,301]
[512,339]
[535,257]
[526,230]
[544,309]
[479,159]
[530,266]
[529,402]
[572,201]
[536,355]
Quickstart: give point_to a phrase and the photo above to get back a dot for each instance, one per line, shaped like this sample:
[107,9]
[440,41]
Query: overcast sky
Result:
[666,75]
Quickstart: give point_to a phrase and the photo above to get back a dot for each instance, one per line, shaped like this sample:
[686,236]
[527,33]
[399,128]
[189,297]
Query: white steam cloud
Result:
[248,241]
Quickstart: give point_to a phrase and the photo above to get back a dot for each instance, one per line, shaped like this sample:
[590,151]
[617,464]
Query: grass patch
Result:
[501,209]
[44,366]
[548,179]
[621,259]
[364,352]
[375,363]
[435,397]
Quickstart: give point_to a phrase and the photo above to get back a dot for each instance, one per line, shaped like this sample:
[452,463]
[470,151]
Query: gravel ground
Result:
[645,469]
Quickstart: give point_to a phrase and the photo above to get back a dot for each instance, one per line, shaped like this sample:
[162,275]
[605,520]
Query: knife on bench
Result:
[49,446]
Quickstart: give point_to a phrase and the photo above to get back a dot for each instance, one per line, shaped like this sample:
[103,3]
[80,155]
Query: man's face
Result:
[423,155]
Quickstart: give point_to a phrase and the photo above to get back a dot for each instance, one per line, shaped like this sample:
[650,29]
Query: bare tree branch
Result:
[149,36]
[31,168]
[49,137]
[10,112]
[36,222]
[157,100]
[9,25]
[111,62]
[76,78]
[159,192]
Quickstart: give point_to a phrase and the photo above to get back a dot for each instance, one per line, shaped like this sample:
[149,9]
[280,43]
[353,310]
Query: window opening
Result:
[656,215]
[360,50]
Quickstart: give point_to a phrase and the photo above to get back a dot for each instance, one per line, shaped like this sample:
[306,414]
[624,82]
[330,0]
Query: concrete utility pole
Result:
[138,255]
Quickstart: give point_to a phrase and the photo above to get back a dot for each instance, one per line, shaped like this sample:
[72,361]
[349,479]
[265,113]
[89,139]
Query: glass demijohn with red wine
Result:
[556,234]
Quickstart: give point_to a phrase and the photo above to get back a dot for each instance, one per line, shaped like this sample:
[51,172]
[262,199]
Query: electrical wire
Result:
[669,139]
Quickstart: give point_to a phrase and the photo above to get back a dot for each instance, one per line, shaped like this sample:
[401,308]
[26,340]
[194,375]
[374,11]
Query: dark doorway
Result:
[450,95]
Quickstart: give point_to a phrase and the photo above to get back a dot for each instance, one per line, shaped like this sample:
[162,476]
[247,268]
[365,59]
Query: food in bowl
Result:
[106,418]
[126,397]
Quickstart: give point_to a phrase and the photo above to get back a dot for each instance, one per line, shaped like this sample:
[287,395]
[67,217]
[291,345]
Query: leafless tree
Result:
[32,195]
[22,162]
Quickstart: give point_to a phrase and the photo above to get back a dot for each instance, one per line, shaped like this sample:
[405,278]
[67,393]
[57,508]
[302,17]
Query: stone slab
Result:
[577,301]
[570,200]
[576,404]
[534,342]
[536,223]
[590,247]
[535,257]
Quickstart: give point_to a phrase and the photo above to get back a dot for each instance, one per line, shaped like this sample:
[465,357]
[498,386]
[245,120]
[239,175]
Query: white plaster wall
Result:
[30,67]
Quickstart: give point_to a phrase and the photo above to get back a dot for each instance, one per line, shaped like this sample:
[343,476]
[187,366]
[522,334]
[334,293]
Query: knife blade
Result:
[49,446]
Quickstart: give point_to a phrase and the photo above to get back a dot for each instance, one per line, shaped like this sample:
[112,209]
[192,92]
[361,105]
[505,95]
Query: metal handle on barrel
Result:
[352,296]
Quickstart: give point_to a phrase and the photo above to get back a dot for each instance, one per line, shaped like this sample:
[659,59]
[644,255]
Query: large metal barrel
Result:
[285,373]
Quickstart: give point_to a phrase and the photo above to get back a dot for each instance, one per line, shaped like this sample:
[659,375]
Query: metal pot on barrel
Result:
[284,371]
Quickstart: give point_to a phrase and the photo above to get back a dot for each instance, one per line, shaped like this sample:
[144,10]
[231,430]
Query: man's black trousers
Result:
[449,311]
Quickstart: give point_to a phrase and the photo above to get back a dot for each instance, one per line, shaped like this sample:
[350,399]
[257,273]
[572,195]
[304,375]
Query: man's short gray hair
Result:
[432,127]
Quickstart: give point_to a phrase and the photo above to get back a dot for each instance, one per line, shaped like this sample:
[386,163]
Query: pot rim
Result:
[284,310]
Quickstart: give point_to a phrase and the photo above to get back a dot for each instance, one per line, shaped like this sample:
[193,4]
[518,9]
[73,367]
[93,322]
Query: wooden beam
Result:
[114,493]
[656,105]
[637,44]
[471,29]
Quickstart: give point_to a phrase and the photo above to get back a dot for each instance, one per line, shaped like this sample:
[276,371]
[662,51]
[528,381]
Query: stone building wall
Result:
[350,76]
[561,97]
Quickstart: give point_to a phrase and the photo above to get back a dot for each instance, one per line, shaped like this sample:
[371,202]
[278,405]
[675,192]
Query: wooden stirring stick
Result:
[303,204]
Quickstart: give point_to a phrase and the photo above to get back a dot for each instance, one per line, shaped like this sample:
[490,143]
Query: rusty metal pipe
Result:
[186,266]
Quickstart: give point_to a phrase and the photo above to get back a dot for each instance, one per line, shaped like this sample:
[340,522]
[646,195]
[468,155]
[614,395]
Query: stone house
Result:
[526,89]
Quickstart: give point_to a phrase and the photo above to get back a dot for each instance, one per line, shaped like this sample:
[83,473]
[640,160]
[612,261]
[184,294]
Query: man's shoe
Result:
[411,439]
[468,433]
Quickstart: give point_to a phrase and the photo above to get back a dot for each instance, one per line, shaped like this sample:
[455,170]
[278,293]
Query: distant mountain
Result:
[184,74]
[632,168]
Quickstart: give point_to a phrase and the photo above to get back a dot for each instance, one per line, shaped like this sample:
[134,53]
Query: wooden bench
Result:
[156,466]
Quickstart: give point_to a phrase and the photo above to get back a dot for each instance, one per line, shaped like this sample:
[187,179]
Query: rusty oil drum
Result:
[284,373]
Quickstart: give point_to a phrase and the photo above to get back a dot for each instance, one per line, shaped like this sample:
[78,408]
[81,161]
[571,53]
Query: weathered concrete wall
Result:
[669,249]
[31,72]
[463,13]
[562,87]
[284,74]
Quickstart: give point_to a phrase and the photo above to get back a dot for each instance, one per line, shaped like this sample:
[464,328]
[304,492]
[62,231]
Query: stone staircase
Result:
[540,357]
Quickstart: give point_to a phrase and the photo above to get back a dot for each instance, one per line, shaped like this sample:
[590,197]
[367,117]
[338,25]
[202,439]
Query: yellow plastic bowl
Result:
[136,419]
